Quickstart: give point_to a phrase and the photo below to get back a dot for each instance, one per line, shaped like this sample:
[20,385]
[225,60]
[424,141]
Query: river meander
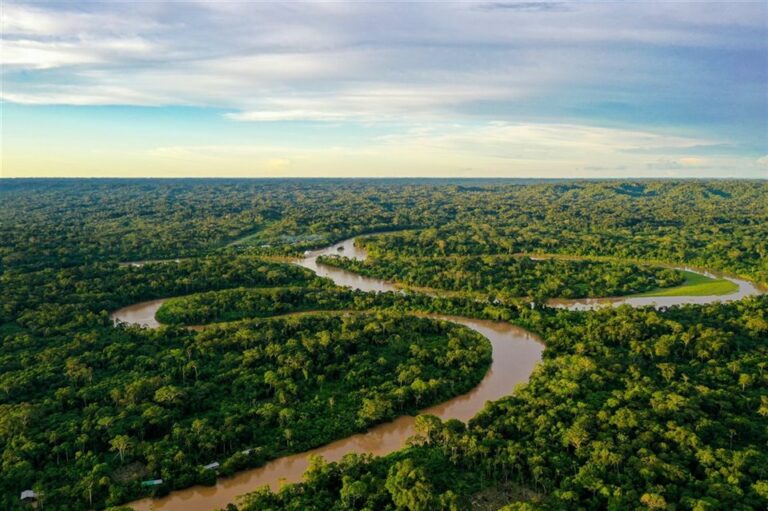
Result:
[515,354]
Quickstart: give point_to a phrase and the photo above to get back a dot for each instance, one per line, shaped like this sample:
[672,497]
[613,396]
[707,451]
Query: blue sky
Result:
[460,89]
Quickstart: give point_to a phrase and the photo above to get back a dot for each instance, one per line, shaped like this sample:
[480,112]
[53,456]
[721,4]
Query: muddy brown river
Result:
[515,354]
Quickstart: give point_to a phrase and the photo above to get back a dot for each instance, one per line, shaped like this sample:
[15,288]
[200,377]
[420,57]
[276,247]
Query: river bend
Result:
[515,354]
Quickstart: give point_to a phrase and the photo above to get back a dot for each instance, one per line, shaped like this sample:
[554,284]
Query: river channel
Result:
[515,354]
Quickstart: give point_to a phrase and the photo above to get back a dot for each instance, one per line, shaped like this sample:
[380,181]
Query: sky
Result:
[384,89]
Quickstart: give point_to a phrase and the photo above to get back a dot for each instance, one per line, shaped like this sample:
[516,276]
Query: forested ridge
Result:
[630,409]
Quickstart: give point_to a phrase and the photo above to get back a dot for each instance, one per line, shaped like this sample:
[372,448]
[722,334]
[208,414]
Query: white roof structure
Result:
[28,495]
[212,466]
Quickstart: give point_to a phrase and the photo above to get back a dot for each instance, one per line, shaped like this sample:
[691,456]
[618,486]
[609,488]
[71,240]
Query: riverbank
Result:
[515,354]
[697,284]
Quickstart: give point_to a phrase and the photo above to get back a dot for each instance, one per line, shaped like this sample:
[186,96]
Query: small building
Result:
[28,496]
[212,466]
[152,482]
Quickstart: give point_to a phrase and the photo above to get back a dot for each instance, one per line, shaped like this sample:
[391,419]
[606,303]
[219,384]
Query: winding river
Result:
[515,354]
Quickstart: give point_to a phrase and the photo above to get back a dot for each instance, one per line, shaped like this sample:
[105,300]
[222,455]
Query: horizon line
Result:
[373,178]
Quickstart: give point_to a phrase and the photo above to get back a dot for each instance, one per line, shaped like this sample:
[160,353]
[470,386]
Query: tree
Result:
[374,409]
[653,501]
[409,487]
[428,426]
[168,394]
[121,444]
[352,490]
[94,480]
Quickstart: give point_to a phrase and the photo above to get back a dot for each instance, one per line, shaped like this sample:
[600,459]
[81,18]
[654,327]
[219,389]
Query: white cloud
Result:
[65,19]
[692,161]
[85,96]
[489,150]
[26,20]
[44,55]
[550,141]
[289,115]
[39,55]
[242,54]
[278,164]
[431,75]
[374,102]
[496,147]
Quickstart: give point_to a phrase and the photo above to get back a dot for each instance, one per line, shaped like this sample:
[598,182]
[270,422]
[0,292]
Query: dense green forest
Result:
[133,404]
[46,298]
[239,303]
[514,276]
[715,224]
[630,409]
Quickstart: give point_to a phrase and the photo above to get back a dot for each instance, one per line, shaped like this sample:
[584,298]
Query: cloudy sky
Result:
[459,89]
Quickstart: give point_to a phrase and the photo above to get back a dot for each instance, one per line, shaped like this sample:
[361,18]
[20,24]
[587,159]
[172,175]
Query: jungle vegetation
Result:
[630,409]
[129,404]
[714,224]
[514,276]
